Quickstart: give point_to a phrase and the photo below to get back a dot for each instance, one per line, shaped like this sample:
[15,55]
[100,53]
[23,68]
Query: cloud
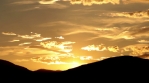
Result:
[24,2]
[25,43]
[137,49]
[37,5]
[8,33]
[123,33]
[113,33]
[56,6]
[133,50]
[94,48]
[47,1]
[80,60]
[42,39]
[43,46]
[52,4]
[84,2]
[135,1]
[91,2]
[21,60]
[61,37]
[143,41]
[63,46]
[141,31]
[40,44]
[29,9]
[137,14]
[32,36]
[107,31]
[145,56]
[72,28]
[101,47]
[11,50]
[15,40]
[113,48]
[27,52]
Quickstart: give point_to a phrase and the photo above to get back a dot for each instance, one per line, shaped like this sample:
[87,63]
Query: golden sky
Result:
[62,34]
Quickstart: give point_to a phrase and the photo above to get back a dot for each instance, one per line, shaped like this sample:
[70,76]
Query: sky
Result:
[63,34]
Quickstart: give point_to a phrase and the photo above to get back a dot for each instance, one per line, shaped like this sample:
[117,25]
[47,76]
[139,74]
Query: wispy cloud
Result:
[135,1]
[25,43]
[8,33]
[91,2]
[32,36]
[137,14]
[24,2]
[143,41]
[56,6]
[101,47]
[94,48]
[137,49]
[124,33]
[15,40]
[84,2]
[134,50]
[113,33]
[78,60]
[47,1]
[63,46]
[21,60]
[45,50]
[113,48]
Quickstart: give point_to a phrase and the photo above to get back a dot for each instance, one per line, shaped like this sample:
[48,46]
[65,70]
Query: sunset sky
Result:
[62,34]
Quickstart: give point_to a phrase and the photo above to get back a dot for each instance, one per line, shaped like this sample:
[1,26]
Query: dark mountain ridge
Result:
[108,68]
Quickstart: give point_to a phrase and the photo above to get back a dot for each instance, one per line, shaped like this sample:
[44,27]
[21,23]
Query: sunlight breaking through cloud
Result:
[66,59]
[44,51]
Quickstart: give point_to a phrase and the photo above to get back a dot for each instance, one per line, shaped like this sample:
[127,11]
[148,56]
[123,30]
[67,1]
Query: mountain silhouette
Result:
[113,68]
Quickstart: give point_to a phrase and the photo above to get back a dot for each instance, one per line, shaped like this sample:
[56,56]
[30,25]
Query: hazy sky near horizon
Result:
[61,34]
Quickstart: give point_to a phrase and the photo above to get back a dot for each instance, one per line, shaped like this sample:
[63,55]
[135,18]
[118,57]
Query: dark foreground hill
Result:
[123,67]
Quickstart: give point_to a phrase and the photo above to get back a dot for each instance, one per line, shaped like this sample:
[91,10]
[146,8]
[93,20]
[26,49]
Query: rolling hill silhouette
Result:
[116,67]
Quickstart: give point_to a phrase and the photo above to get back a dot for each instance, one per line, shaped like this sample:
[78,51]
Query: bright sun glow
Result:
[75,64]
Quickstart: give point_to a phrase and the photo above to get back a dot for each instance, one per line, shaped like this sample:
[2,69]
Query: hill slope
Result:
[123,66]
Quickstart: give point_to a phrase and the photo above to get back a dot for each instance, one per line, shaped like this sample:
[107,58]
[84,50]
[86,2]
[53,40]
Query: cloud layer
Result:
[137,14]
